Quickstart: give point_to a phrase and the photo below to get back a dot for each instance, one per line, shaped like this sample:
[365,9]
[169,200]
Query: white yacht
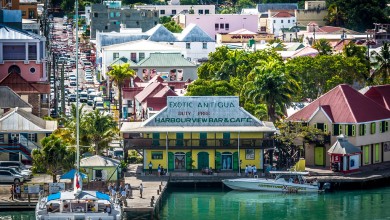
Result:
[285,181]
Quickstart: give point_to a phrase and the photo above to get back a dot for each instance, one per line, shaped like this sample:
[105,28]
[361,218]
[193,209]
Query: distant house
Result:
[343,110]
[172,10]
[278,20]
[23,53]
[21,132]
[99,167]
[380,94]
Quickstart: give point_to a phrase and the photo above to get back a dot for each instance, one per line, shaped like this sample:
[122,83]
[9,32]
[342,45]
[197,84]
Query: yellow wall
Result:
[257,161]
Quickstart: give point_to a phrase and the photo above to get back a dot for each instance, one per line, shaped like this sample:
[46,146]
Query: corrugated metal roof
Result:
[346,105]
[122,60]
[193,33]
[9,99]
[140,97]
[166,60]
[98,161]
[144,45]
[8,33]
[160,33]
[380,94]
[343,147]
[19,85]
[276,6]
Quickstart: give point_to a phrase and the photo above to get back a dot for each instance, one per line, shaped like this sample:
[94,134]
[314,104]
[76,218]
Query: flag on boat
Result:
[77,183]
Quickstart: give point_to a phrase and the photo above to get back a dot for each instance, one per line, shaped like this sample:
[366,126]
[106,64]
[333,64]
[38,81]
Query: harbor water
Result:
[202,203]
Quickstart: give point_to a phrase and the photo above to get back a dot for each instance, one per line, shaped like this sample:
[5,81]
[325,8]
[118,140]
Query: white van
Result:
[97,99]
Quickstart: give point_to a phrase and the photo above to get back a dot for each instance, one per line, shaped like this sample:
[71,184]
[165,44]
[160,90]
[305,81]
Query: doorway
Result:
[203,160]
[180,161]
[227,161]
[319,156]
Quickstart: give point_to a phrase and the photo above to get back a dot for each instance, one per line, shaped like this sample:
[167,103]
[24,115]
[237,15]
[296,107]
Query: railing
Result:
[195,143]
[30,145]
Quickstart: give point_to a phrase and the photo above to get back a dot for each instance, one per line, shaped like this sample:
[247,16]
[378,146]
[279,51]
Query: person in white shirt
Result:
[141,189]
[254,170]
[123,198]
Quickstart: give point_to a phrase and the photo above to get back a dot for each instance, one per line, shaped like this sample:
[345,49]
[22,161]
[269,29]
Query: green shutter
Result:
[373,128]
[376,152]
[156,139]
[335,129]
[366,154]
[381,126]
[325,128]
[188,160]
[315,125]
[364,129]
[353,130]
[386,125]
[346,130]
[218,156]
[179,139]
[203,139]
[171,161]
[226,139]
[340,129]
[235,161]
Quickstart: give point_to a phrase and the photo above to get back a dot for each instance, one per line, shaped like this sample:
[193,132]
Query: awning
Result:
[102,196]
[70,175]
[54,196]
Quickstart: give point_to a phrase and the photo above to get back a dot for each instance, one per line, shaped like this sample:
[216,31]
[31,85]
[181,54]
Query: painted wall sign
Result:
[203,111]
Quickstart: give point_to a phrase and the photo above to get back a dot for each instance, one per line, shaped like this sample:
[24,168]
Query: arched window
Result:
[14,69]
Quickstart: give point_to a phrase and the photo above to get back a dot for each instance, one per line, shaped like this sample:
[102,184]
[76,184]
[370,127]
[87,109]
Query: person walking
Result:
[123,198]
[150,168]
[17,191]
[254,170]
[12,191]
[109,189]
[246,171]
[159,170]
[141,190]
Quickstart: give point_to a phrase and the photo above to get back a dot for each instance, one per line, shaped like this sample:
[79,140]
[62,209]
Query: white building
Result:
[172,10]
[281,19]
[87,14]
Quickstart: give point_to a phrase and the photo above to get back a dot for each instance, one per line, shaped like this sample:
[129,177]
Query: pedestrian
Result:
[12,191]
[17,191]
[246,171]
[109,189]
[130,192]
[141,189]
[250,170]
[159,170]
[113,194]
[150,168]
[123,198]
[254,170]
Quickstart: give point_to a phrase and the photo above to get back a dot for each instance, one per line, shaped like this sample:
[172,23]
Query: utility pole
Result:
[62,90]
[56,96]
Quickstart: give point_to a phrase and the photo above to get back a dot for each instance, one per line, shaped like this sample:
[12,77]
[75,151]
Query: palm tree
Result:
[118,74]
[53,157]
[272,86]
[230,67]
[323,47]
[335,16]
[101,129]
[382,63]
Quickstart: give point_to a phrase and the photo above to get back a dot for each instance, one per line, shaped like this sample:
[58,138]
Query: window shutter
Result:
[340,129]
[364,129]
[386,125]
[315,125]
[353,130]
[325,128]
[346,130]
[373,128]
[380,127]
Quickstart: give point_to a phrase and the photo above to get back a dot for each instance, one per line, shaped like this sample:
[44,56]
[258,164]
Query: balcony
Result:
[143,143]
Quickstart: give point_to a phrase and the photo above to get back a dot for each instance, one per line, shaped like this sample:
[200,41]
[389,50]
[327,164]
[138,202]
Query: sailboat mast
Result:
[77,89]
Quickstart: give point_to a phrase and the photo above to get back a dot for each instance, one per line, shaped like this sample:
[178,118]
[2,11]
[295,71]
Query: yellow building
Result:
[193,133]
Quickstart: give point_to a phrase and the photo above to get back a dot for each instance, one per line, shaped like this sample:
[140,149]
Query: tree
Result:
[202,87]
[53,157]
[118,74]
[335,16]
[101,129]
[382,64]
[323,47]
[271,85]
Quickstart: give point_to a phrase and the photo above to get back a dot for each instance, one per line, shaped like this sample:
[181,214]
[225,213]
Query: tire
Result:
[17,181]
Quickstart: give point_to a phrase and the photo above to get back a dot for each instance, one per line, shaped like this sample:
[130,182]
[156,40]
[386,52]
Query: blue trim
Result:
[54,196]
[14,151]
[103,196]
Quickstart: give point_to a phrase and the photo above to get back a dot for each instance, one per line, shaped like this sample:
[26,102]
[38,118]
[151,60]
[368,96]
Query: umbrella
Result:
[70,175]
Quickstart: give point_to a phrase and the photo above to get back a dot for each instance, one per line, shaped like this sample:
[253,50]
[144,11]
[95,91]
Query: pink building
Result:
[213,24]
[22,52]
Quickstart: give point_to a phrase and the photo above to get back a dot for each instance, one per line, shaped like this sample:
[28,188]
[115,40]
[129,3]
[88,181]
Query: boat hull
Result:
[250,184]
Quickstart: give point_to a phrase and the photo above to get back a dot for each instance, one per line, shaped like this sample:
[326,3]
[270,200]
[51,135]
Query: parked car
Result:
[7,177]
[72,97]
[83,96]
[16,171]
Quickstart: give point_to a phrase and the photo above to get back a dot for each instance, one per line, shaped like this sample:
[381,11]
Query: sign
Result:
[386,146]
[32,188]
[56,187]
[203,111]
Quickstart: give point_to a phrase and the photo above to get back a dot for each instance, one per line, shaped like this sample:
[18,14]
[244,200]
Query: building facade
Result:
[279,20]
[193,133]
[343,110]
[315,11]
[172,10]
[111,18]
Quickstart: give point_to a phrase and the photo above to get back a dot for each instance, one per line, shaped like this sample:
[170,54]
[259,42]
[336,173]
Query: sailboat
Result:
[77,204]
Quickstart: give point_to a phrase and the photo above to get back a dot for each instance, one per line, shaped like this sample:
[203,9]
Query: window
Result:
[274,21]
[204,45]
[216,27]
[1,138]
[200,11]
[105,27]
[162,12]
[156,139]
[112,14]
[281,21]
[118,14]
[288,21]
[157,155]
[226,26]
[350,130]
[173,12]
[222,26]
[203,139]
[133,57]
[32,137]
[115,55]
[337,129]
[141,56]
[249,154]
[188,45]
[226,139]
[95,15]
[323,127]
[207,11]
[373,128]
[32,70]
[362,129]
[179,139]
[383,126]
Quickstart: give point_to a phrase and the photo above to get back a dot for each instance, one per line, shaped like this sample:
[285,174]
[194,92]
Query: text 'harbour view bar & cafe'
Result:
[197,132]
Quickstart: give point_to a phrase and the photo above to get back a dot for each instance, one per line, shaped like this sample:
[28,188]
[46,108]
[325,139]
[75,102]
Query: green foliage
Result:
[134,157]
[54,156]
[323,47]
[202,87]
[118,74]
[382,65]
[173,27]
[356,14]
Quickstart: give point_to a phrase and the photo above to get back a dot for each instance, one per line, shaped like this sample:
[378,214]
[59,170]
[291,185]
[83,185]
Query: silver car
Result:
[7,177]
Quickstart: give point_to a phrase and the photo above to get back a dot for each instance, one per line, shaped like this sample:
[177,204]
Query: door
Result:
[319,156]
[188,161]
[171,157]
[203,160]
[180,159]
[218,164]
[227,161]
[366,154]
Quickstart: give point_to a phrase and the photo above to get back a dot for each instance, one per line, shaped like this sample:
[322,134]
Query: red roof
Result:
[380,94]
[21,86]
[343,104]
[282,14]
[148,90]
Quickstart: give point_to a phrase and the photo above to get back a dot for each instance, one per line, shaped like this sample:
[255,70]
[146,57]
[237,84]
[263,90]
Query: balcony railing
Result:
[195,143]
